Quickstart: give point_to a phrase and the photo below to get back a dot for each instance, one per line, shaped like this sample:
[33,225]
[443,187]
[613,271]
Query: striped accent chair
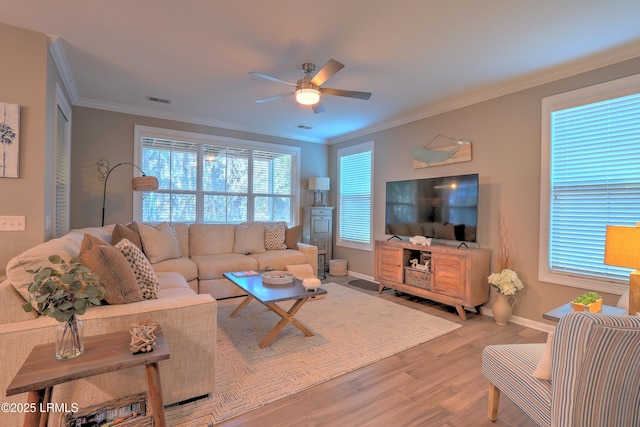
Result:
[595,373]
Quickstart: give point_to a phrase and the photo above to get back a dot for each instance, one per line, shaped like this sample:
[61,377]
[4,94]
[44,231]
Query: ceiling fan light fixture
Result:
[308,96]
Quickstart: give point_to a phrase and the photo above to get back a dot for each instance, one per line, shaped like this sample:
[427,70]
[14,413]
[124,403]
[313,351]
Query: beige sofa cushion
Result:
[212,266]
[278,260]
[211,239]
[249,239]
[38,256]
[159,243]
[183,265]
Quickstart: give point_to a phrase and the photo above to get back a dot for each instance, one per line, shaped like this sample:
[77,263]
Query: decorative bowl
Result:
[277,277]
[311,283]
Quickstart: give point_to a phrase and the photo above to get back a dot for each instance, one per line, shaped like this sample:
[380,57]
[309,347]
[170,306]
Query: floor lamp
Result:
[139,183]
[622,249]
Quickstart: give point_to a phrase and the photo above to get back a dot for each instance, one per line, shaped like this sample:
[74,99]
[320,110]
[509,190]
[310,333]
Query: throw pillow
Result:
[129,232]
[115,272]
[302,271]
[249,239]
[274,236]
[159,243]
[543,370]
[292,236]
[145,275]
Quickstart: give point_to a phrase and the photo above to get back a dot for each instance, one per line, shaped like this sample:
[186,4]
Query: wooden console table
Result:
[102,354]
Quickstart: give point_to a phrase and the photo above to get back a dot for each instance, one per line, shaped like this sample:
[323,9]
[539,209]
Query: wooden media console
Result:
[457,276]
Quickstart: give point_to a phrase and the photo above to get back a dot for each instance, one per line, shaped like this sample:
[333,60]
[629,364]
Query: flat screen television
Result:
[441,208]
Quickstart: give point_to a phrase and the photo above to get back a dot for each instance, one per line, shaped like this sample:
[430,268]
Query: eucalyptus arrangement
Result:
[63,291]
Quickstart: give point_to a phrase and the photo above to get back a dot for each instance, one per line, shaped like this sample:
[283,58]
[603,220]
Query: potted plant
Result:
[63,292]
[590,301]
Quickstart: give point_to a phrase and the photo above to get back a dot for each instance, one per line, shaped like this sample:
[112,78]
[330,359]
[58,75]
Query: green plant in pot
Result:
[63,291]
[590,301]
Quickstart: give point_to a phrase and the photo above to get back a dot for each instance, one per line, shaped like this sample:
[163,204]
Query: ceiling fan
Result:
[308,89]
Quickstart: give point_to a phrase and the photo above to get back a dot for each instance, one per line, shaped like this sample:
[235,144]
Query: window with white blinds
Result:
[593,180]
[355,182]
[204,180]
[63,165]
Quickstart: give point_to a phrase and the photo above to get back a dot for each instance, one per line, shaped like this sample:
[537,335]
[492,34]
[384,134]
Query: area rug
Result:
[352,329]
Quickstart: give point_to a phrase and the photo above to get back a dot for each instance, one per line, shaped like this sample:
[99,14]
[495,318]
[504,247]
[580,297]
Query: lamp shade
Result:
[144,183]
[317,183]
[622,246]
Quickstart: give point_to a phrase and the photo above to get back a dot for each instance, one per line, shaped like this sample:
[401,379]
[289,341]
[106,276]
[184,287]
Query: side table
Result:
[102,354]
[565,309]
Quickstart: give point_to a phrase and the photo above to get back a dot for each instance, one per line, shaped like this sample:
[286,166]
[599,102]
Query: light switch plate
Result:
[12,223]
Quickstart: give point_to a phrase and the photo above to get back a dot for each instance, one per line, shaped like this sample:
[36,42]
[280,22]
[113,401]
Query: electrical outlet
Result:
[12,223]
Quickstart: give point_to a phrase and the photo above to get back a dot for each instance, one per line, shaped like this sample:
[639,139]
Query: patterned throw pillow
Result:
[145,275]
[274,236]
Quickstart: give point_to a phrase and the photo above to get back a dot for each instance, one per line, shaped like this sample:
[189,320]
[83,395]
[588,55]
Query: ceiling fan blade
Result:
[329,69]
[347,93]
[273,79]
[273,98]
[317,108]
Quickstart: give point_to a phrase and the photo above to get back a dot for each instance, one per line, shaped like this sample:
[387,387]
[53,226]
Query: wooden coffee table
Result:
[102,354]
[269,296]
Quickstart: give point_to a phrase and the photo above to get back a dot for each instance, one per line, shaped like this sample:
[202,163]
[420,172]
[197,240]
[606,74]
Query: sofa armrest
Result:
[311,252]
[188,321]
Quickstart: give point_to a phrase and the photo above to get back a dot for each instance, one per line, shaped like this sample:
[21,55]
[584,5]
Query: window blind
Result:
[595,182]
[62,172]
[207,183]
[355,196]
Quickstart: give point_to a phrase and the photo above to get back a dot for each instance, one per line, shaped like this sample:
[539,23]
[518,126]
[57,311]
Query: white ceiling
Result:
[417,57]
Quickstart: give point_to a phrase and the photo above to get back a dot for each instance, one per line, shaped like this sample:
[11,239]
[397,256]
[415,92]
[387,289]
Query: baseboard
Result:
[360,276]
[523,321]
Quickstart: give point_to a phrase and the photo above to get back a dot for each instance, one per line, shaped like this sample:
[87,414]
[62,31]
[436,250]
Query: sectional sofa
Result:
[188,261]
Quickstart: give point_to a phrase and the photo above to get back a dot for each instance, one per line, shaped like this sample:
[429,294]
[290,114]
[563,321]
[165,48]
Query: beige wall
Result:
[505,135]
[23,81]
[100,134]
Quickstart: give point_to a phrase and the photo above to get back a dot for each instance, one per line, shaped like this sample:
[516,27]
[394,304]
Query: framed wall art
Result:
[9,140]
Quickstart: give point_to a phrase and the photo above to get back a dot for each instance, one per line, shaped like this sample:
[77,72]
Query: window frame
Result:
[141,132]
[583,96]
[348,151]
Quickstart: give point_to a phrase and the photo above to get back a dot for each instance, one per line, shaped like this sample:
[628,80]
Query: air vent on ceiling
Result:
[304,127]
[160,100]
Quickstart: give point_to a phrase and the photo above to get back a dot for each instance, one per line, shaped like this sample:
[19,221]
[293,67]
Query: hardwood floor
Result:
[438,383]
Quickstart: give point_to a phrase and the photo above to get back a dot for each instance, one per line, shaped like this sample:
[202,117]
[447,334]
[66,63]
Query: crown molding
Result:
[148,112]
[610,57]
[59,58]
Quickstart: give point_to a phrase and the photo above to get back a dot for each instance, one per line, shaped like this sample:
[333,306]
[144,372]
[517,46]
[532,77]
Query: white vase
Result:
[502,308]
